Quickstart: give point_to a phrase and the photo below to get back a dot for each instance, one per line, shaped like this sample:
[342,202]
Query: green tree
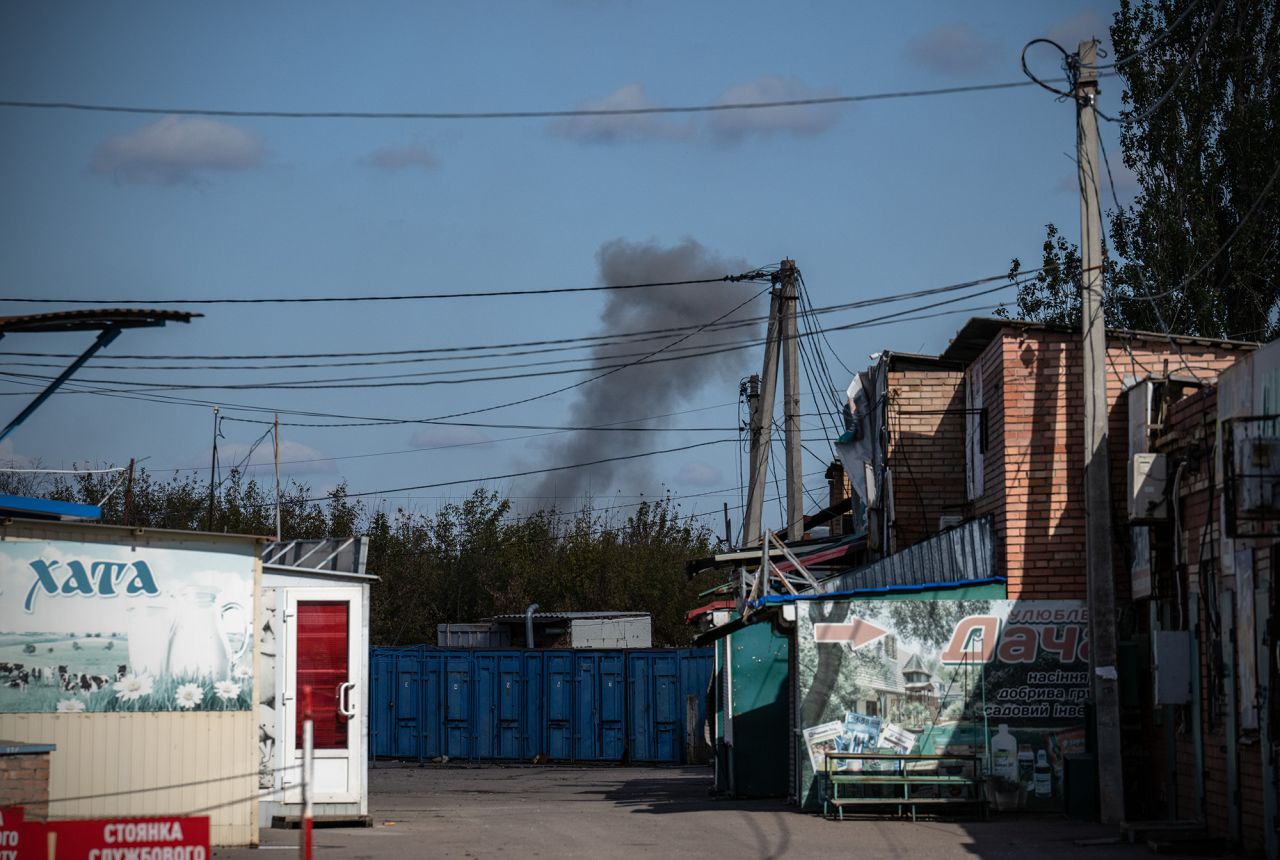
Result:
[1200,130]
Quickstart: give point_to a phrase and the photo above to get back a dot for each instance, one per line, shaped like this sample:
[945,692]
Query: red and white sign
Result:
[132,839]
[858,633]
[10,832]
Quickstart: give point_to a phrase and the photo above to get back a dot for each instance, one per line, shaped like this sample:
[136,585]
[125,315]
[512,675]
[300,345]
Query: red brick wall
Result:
[925,453]
[24,781]
[1041,525]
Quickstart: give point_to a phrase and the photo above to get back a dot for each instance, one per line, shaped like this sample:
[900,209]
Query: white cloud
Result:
[618,128]
[698,474]
[176,150]
[952,48]
[734,125]
[1086,24]
[446,436]
[413,156]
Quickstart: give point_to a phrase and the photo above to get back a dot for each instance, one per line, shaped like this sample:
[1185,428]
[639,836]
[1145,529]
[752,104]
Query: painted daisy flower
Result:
[188,696]
[130,688]
[227,690]
[70,706]
[243,673]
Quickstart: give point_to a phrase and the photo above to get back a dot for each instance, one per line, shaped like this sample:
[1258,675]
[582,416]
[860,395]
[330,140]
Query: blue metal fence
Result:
[512,704]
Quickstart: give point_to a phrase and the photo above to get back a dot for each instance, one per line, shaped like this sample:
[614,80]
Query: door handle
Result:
[344,699]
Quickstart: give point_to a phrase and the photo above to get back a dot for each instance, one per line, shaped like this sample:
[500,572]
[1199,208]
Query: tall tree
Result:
[1196,251]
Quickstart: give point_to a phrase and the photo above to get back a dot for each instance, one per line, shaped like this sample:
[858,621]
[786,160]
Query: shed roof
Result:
[92,320]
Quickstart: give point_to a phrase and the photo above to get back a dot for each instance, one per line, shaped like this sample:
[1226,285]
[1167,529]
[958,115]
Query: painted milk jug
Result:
[201,639]
[150,634]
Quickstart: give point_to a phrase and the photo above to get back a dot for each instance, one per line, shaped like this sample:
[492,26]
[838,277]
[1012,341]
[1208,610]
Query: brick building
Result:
[994,426]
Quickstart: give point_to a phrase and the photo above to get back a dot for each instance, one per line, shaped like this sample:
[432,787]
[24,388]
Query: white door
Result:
[324,654]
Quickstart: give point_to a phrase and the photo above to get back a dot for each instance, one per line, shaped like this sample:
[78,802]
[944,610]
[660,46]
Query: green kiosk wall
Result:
[753,682]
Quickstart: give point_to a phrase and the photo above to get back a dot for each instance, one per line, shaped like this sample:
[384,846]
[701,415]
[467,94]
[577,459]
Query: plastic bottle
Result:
[1026,766]
[1004,754]
[1043,776]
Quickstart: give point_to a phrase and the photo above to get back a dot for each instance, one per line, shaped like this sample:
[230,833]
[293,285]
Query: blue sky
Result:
[869,199]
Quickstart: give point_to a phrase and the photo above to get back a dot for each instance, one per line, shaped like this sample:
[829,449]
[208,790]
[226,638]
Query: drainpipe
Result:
[1263,631]
[1233,725]
[528,625]
[1197,729]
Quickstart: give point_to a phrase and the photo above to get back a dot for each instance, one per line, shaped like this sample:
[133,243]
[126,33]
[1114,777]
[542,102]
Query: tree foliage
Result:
[466,561]
[1200,130]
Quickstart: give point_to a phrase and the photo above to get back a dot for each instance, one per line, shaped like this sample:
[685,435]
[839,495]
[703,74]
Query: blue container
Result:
[382,704]
[514,704]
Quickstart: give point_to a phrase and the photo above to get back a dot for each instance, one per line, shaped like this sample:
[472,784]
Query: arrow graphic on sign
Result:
[858,633]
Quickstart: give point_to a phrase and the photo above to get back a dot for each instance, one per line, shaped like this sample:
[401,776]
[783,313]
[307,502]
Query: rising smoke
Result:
[649,389]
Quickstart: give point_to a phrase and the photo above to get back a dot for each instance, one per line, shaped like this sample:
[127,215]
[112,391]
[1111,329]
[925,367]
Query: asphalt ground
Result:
[629,812]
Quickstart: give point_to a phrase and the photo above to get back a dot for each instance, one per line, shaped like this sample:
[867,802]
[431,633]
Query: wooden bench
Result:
[842,785]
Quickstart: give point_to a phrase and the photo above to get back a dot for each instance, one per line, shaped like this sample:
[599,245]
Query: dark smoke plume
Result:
[650,389]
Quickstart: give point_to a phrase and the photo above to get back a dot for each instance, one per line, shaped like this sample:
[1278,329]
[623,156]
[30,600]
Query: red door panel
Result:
[322,666]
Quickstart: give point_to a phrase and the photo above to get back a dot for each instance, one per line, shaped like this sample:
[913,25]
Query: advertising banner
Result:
[98,627]
[1003,680]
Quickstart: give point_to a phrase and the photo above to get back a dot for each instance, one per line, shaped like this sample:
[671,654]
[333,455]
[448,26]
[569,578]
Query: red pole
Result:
[308,757]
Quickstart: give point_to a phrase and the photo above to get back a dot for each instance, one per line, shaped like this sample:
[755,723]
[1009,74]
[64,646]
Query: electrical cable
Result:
[494,115]
[582,339]
[756,275]
[1168,31]
[523,474]
[346,420]
[370,381]
[1182,73]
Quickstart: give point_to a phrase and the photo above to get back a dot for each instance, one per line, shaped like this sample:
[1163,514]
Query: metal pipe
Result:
[1228,610]
[528,625]
[1263,627]
[1197,729]
[103,340]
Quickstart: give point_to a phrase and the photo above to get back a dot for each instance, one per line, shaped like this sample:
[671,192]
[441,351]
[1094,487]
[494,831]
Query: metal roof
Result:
[565,616]
[328,555]
[965,553]
[974,336]
[47,509]
[92,320]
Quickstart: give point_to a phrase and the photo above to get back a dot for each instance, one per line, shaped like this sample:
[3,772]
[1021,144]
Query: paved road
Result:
[629,812]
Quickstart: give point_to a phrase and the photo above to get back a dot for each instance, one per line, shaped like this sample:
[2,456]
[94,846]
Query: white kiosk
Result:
[313,631]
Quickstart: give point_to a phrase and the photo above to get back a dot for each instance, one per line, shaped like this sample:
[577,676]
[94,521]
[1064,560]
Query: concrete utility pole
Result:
[761,427]
[791,399]
[1097,470]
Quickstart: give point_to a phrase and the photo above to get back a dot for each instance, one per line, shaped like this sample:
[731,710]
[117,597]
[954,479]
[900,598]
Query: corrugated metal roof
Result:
[963,554]
[566,616]
[92,320]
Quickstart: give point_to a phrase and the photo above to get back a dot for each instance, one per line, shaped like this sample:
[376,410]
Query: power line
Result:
[528,472]
[414,380]
[583,340]
[365,421]
[499,115]
[746,276]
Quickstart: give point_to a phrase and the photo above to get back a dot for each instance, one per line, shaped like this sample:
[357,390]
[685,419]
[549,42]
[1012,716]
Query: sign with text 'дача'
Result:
[1003,680]
[91,627]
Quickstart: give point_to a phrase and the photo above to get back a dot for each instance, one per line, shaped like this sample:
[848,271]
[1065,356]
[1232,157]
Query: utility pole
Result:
[213,465]
[791,399]
[275,439]
[1097,470]
[761,426]
[128,494]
